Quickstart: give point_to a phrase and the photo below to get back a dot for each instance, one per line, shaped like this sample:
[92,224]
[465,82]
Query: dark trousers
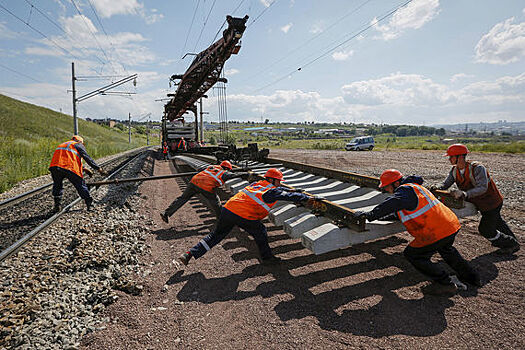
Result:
[226,223]
[59,174]
[495,229]
[165,156]
[420,259]
[211,198]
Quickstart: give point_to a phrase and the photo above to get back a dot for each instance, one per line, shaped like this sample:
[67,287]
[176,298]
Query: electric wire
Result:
[261,13]
[189,29]
[204,25]
[28,77]
[390,13]
[223,23]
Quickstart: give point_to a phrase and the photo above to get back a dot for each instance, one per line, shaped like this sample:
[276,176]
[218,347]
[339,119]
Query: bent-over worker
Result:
[205,183]
[246,209]
[67,163]
[434,227]
[477,187]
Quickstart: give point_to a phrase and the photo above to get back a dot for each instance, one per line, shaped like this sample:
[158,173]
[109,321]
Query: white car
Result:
[361,144]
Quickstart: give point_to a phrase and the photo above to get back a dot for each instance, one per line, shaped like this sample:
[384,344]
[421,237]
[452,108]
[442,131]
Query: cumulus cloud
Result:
[286,27]
[231,71]
[412,16]
[342,55]
[109,8]
[317,27]
[266,3]
[503,44]
[459,76]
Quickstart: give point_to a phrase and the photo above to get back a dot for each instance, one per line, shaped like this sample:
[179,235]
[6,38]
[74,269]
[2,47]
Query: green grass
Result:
[29,135]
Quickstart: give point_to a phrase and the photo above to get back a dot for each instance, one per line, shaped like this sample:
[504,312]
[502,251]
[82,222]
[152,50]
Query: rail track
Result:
[332,225]
[24,216]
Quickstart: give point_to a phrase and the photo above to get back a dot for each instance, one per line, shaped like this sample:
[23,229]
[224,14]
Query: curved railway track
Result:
[25,215]
[332,224]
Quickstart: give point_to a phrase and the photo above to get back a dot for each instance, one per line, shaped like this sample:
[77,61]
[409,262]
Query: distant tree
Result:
[266,121]
[441,131]
[213,141]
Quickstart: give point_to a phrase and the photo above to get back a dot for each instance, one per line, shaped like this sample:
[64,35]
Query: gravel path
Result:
[366,296]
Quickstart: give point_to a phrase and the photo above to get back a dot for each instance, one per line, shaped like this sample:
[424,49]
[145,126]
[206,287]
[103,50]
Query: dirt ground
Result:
[366,296]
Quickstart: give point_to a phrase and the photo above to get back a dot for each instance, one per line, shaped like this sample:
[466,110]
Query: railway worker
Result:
[67,163]
[246,209]
[165,150]
[182,145]
[205,183]
[434,227]
[476,186]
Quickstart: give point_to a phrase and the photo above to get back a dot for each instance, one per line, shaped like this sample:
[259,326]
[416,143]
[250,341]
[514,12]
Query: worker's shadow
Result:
[388,304]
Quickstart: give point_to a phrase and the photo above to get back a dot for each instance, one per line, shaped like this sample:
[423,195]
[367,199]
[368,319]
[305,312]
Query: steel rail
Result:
[361,180]
[21,197]
[22,241]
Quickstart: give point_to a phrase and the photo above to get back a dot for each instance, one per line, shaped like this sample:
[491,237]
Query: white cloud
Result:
[108,8]
[286,27]
[457,77]
[342,55]
[266,3]
[412,16]
[6,33]
[231,71]
[503,44]
[317,27]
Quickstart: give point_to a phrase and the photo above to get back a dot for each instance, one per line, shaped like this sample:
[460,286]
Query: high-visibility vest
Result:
[248,202]
[210,178]
[182,145]
[430,221]
[164,149]
[489,200]
[67,157]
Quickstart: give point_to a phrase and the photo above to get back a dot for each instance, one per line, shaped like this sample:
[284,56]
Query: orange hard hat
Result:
[274,174]
[226,164]
[456,149]
[389,176]
[77,138]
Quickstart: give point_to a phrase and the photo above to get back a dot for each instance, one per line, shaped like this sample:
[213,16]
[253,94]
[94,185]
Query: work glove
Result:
[315,202]
[434,187]
[458,194]
[359,213]
[88,172]
[102,172]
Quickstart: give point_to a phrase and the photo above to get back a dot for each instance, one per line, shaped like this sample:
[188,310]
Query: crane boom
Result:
[205,69]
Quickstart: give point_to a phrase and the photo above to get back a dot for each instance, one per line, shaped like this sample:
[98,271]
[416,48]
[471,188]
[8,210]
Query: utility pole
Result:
[147,132]
[129,128]
[201,121]
[75,121]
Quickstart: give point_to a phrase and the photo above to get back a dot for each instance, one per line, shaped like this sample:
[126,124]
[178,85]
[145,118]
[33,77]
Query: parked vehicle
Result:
[361,143]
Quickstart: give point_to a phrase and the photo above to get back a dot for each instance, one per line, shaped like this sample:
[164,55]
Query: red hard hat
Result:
[389,176]
[456,149]
[274,174]
[226,164]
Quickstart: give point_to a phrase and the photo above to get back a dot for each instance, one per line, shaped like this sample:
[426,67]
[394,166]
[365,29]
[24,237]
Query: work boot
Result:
[472,279]
[507,244]
[271,260]
[185,258]
[164,217]
[509,250]
[89,203]
[58,206]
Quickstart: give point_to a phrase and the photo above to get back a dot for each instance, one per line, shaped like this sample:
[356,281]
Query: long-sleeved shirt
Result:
[281,193]
[481,180]
[404,198]
[228,175]
[84,155]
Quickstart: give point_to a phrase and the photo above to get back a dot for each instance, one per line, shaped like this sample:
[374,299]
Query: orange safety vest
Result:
[430,221]
[209,179]
[164,149]
[489,200]
[67,157]
[248,202]
[183,144]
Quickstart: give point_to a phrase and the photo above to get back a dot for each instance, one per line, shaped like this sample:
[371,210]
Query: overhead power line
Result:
[390,13]
[28,77]
[262,13]
[189,29]
[204,25]
[223,23]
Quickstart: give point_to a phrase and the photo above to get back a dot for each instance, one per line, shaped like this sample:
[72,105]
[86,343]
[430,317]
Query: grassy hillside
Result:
[29,134]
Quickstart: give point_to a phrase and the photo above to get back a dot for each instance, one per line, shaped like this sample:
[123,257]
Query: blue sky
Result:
[430,62]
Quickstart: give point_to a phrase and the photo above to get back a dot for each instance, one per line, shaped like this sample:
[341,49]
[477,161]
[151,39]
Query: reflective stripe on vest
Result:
[72,150]
[216,177]
[421,211]
[67,157]
[253,196]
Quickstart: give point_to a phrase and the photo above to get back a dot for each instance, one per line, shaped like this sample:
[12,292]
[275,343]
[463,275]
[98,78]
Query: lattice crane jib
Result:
[205,69]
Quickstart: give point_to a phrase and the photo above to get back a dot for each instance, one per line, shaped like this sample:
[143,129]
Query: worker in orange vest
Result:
[434,227]
[182,145]
[477,187]
[204,183]
[67,163]
[165,150]
[246,209]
